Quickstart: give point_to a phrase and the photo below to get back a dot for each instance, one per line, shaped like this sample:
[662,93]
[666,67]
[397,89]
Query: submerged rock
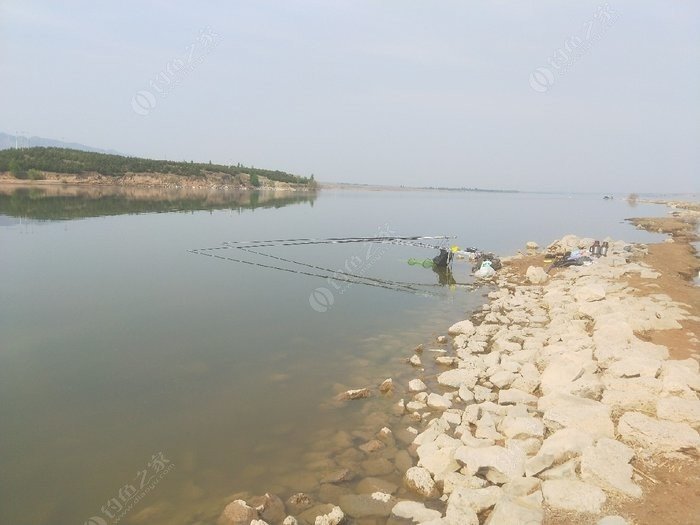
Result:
[369,485]
[348,395]
[236,512]
[299,502]
[338,476]
[375,505]
[269,507]
[386,386]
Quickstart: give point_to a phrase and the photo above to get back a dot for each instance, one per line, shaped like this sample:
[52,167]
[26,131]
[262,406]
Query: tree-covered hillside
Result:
[61,160]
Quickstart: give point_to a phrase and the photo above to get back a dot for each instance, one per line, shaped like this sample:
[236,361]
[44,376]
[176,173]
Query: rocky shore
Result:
[556,403]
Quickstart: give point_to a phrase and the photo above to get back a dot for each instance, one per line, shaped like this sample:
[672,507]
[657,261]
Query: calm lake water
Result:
[119,345]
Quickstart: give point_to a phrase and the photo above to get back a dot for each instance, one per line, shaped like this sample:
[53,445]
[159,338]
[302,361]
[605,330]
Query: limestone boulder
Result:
[573,495]
[568,411]
[680,410]
[500,464]
[607,465]
[415,511]
[656,435]
[465,327]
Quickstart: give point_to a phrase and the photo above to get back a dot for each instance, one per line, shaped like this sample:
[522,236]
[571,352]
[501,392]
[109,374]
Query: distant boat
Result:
[607,197]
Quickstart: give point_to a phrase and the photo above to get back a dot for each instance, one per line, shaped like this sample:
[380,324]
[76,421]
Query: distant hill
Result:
[8,141]
[36,163]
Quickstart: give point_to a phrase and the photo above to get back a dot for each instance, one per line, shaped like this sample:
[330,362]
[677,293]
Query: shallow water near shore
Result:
[118,344]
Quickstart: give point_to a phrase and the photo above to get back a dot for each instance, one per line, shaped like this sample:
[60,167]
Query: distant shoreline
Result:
[152,180]
[388,187]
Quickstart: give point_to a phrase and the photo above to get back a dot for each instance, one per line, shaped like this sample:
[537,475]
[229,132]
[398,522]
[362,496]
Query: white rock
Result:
[566,470]
[482,393]
[465,327]
[458,377]
[460,515]
[635,367]
[290,520]
[334,517]
[680,376]
[634,393]
[415,360]
[502,379]
[415,406]
[522,427]
[502,464]
[418,479]
[438,402]
[563,410]
[531,245]
[439,460]
[460,341]
[412,510]
[258,522]
[588,293]
[453,480]
[516,511]
[416,385]
[680,410]
[573,495]
[538,463]
[464,503]
[447,361]
[657,435]
[566,443]
[522,487]
[515,396]
[453,416]
[529,445]
[466,394]
[536,275]
[607,465]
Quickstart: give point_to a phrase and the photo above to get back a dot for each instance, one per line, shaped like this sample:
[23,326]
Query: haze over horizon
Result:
[591,96]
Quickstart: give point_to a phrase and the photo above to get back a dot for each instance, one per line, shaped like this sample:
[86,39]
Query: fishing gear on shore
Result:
[441,261]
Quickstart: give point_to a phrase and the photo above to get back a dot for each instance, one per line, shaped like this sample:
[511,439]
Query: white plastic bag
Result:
[485,272]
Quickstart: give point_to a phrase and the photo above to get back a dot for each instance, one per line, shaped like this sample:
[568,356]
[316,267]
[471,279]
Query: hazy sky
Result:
[397,92]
